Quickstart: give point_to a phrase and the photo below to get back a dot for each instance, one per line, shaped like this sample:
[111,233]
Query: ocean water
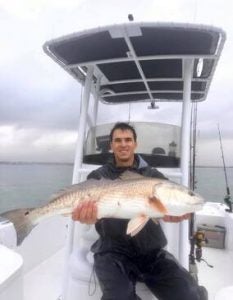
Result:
[31,185]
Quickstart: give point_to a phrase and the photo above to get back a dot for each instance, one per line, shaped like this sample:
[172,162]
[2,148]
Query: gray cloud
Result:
[30,102]
[39,101]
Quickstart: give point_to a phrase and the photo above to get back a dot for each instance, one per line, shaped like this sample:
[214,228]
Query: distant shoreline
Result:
[70,164]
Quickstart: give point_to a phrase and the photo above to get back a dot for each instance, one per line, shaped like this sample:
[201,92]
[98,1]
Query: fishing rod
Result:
[227,198]
[192,185]
[193,143]
[196,237]
[192,259]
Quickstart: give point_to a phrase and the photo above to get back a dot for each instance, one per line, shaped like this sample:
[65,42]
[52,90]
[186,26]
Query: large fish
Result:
[132,196]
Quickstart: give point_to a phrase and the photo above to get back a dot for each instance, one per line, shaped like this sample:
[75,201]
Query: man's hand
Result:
[175,219]
[85,212]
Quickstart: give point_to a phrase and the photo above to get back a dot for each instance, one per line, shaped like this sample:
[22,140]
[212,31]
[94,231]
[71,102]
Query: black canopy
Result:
[141,61]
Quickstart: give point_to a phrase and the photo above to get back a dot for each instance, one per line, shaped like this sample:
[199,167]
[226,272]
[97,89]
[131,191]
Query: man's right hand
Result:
[85,212]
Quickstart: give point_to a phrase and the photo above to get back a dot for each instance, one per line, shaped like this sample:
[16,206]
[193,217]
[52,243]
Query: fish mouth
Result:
[194,207]
[198,201]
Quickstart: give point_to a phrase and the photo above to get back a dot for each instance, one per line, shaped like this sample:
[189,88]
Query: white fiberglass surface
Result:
[44,281]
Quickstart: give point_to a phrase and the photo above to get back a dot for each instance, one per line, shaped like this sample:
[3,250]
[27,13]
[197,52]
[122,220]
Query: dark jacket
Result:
[112,232]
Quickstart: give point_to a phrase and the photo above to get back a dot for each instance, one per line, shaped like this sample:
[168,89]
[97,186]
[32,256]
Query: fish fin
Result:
[62,192]
[157,205]
[22,222]
[130,175]
[136,224]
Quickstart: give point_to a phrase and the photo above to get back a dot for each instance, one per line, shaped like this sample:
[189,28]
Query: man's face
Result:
[123,146]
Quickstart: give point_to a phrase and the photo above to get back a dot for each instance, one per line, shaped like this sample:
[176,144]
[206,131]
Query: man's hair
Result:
[123,126]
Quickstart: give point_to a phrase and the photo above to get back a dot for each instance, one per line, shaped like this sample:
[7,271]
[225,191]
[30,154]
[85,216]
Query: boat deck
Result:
[221,275]
[44,281]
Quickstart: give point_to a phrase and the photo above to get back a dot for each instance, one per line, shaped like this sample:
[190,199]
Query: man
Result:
[120,260]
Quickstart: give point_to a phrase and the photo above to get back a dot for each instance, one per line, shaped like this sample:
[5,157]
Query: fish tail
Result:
[23,222]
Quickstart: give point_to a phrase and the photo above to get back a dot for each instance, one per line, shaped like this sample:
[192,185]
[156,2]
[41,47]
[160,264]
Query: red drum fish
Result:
[132,196]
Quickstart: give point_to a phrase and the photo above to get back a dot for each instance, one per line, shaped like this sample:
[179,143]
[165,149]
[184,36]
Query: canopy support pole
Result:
[185,154]
[95,114]
[76,173]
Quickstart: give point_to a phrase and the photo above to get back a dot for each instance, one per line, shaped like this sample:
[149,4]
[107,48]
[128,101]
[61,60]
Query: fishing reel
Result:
[197,242]
[200,241]
[227,200]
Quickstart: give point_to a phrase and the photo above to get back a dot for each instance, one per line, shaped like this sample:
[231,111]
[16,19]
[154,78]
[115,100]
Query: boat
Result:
[131,63]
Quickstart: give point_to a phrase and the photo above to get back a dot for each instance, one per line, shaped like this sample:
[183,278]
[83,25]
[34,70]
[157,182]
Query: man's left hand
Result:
[175,219]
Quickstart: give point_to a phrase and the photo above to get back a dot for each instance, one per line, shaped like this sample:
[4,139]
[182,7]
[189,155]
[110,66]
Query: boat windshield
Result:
[158,144]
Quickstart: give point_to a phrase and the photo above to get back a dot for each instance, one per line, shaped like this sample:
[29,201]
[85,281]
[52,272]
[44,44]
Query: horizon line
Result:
[71,163]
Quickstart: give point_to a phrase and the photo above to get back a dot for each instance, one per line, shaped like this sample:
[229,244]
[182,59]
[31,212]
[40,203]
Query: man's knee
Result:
[183,289]
[192,292]
[203,294]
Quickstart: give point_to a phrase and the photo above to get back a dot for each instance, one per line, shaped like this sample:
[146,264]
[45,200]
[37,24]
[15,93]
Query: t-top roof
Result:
[141,61]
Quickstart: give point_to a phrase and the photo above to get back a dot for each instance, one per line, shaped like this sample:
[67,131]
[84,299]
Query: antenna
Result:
[129,117]
[153,105]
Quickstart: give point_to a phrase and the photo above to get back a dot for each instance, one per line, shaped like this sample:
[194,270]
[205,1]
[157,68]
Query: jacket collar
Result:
[138,163]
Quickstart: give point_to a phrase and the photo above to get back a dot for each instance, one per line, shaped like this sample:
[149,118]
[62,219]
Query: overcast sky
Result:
[39,102]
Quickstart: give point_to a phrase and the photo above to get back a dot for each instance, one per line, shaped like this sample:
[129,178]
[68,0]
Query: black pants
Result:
[160,271]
